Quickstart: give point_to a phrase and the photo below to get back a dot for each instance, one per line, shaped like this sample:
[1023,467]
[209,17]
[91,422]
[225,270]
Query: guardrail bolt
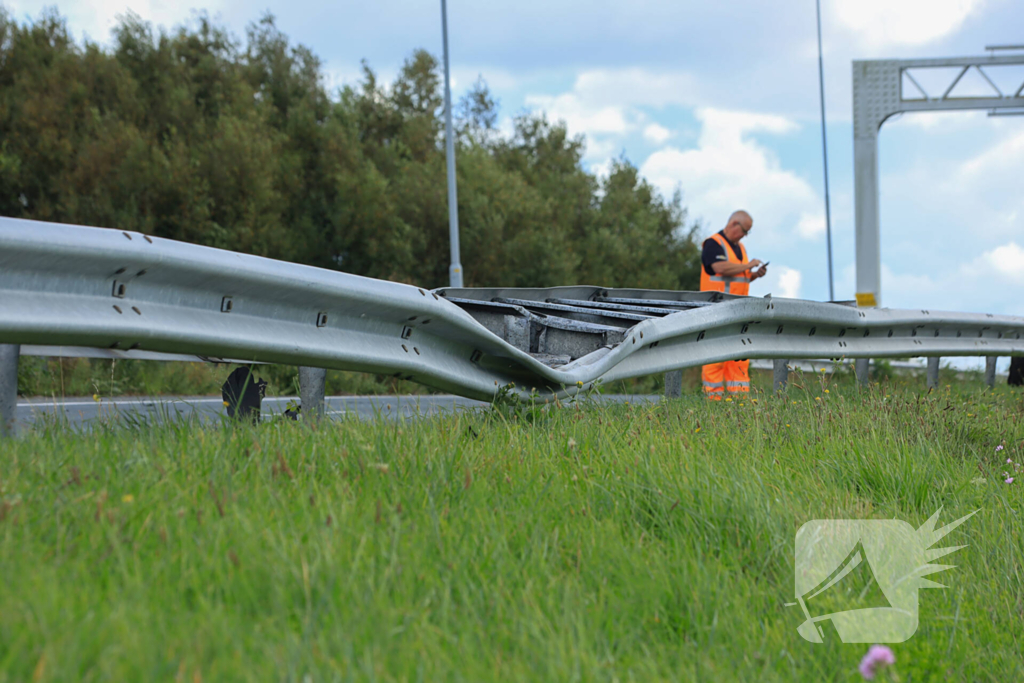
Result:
[674,384]
[780,374]
[312,386]
[8,387]
[933,372]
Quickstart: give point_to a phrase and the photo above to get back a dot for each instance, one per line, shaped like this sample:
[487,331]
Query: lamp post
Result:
[455,269]
[824,154]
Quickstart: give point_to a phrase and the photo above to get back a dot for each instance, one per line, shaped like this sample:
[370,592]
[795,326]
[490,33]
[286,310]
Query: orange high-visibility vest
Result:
[732,376]
[732,284]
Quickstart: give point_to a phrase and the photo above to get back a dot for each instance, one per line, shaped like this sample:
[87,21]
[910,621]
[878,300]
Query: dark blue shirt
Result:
[713,252]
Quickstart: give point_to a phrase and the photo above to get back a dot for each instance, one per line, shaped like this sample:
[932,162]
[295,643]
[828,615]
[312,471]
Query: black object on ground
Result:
[1016,377]
[243,394]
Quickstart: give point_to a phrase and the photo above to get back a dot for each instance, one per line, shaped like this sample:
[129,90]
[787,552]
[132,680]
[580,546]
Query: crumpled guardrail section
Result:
[102,288]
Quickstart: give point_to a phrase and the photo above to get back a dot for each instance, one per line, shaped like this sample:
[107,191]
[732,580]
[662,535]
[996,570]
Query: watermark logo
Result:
[857,579]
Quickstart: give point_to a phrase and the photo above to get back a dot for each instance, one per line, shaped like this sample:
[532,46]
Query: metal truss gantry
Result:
[880,90]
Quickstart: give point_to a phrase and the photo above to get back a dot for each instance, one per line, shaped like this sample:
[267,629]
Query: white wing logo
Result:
[859,578]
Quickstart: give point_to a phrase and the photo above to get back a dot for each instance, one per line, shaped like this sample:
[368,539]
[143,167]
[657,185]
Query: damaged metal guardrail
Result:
[132,293]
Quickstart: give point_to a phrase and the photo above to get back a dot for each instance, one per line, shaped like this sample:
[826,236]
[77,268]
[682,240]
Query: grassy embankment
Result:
[593,542]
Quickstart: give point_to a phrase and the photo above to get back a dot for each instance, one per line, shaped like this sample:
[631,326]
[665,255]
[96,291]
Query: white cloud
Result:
[635,87]
[606,105]
[811,225]
[581,117]
[1006,260]
[788,283]
[902,22]
[602,170]
[96,18]
[729,170]
[656,134]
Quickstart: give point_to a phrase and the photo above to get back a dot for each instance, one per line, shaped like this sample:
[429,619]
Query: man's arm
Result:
[730,269]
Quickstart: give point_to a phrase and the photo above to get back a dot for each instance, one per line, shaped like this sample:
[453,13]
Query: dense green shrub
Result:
[197,136]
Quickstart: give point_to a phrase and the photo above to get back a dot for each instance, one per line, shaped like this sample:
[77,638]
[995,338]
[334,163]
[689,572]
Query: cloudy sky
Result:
[721,100]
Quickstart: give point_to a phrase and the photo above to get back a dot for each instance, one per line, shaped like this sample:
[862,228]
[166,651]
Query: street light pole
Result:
[824,154]
[455,269]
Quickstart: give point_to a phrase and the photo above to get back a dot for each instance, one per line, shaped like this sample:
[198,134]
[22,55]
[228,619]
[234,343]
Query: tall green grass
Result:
[62,377]
[571,542]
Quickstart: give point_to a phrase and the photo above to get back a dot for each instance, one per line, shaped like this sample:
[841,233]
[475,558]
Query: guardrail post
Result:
[990,371]
[780,374]
[862,367]
[312,383]
[674,384]
[8,387]
[933,372]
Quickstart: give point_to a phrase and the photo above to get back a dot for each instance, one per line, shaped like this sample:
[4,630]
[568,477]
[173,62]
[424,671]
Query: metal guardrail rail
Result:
[63,285]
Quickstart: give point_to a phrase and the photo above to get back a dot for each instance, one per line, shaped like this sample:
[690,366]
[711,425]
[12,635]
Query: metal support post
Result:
[867,237]
[455,269]
[312,383]
[674,384]
[990,371]
[824,155]
[780,375]
[862,368]
[933,372]
[8,387]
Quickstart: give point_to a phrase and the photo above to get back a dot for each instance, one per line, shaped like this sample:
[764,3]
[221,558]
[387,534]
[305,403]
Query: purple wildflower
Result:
[877,658]
[1009,480]
[999,448]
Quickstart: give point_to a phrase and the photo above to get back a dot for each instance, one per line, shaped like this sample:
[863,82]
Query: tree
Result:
[194,135]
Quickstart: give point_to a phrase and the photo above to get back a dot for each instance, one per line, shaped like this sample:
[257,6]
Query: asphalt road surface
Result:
[80,411]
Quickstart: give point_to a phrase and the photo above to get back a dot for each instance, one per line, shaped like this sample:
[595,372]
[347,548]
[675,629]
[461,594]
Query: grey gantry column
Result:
[862,368]
[878,93]
[8,387]
[312,382]
[933,372]
[674,384]
[990,371]
[780,374]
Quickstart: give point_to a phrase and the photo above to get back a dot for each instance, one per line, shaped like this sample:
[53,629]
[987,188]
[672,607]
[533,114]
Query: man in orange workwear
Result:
[725,268]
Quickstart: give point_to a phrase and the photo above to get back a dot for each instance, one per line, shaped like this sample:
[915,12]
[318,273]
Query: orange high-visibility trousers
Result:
[730,377]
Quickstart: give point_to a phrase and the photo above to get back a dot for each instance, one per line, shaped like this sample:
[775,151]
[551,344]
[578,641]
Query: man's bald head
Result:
[738,226]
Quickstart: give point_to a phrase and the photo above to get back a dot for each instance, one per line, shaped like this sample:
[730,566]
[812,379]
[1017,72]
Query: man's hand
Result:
[754,271]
